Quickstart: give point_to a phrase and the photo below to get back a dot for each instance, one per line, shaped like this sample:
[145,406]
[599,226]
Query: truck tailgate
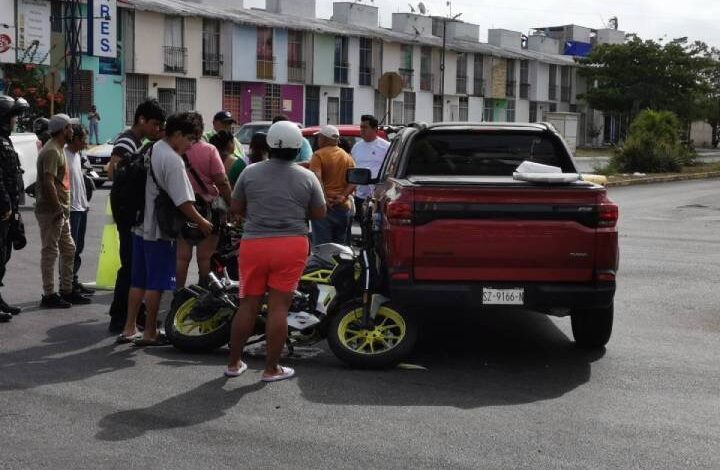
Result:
[505,232]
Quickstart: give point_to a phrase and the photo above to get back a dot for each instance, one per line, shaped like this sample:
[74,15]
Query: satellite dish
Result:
[421,8]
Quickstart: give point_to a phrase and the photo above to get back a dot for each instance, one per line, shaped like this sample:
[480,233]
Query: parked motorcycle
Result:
[335,300]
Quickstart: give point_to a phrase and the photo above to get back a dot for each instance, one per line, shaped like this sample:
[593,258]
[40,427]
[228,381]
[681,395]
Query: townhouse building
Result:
[209,55]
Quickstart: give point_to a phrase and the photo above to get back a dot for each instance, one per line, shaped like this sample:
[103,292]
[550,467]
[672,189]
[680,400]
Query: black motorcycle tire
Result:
[382,360]
[194,344]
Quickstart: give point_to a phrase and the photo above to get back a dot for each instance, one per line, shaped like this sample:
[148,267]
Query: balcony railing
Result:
[366,76]
[565,94]
[461,85]
[407,78]
[427,82]
[266,68]
[212,64]
[524,90]
[342,71]
[296,71]
[510,88]
[552,92]
[175,59]
[479,87]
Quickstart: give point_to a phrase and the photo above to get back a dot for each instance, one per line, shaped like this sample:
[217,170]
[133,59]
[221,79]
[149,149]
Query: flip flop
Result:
[161,340]
[285,373]
[122,339]
[234,373]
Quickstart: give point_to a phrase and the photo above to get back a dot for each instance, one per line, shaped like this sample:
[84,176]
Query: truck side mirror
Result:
[359,176]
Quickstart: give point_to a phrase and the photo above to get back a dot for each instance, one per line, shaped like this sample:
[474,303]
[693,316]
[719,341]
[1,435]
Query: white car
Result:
[27,145]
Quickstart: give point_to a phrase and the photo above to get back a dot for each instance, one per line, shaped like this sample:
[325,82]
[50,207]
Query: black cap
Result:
[224,116]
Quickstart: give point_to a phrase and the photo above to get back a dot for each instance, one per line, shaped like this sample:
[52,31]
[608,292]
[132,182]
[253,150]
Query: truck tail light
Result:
[399,213]
[608,215]
[605,275]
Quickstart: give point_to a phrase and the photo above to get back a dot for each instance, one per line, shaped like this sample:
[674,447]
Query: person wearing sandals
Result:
[154,257]
[275,197]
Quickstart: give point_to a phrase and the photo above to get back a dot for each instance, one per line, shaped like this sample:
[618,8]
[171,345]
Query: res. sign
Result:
[102,28]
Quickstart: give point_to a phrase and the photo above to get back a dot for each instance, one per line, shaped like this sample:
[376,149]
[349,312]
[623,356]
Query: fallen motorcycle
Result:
[335,300]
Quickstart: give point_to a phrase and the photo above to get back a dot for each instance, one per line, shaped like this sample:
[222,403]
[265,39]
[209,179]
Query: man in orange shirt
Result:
[330,163]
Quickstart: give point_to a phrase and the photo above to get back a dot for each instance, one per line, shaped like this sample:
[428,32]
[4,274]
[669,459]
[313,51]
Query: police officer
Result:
[11,186]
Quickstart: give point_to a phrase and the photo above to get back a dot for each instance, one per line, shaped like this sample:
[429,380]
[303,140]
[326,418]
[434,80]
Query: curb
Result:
[664,179]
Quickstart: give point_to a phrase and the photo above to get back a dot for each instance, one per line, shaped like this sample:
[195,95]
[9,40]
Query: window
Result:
[482,154]
[211,48]
[552,82]
[437,108]
[366,57]
[406,65]
[185,94]
[296,64]
[265,59]
[524,79]
[346,106]
[510,111]
[489,110]
[565,84]
[426,76]
[271,102]
[510,87]
[232,98]
[83,91]
[478,75]
[380,106]
[461,74]
[341,60]
[397,112]
[409,106]
[175,51]
[312,106]
[463,110]
[136,88]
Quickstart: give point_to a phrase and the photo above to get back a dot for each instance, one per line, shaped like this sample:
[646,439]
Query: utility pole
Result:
[442,64]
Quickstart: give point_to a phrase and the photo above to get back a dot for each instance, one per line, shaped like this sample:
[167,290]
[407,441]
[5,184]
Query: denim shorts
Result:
[154,264]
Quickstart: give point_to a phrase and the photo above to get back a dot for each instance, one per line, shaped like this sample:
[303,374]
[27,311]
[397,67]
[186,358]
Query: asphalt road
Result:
[501,390]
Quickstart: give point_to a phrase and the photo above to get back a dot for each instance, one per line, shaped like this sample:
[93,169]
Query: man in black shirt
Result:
[11,186]
[149,121]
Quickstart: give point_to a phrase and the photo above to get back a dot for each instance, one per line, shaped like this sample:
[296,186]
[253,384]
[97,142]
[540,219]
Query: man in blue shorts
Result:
[154,259]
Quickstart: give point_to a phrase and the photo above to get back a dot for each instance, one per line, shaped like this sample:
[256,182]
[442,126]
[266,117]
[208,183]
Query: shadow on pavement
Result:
[64,357]
[174,412]
[497,358]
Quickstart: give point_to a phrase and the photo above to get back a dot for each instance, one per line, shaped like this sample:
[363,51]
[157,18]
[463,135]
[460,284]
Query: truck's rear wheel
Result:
[592,327]
[385,345]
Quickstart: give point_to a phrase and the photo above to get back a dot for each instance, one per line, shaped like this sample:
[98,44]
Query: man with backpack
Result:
[127,194]
[169,199]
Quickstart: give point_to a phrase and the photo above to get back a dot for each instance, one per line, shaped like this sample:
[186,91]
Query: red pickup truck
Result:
[453,228]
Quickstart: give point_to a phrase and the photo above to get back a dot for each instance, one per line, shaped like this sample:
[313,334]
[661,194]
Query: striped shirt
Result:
[127,144]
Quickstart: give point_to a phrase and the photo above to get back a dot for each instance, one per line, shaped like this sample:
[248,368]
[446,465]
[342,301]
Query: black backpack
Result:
[127,195]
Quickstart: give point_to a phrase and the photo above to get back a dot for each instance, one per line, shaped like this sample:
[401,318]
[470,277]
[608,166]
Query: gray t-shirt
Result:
[278,195]
[169,170]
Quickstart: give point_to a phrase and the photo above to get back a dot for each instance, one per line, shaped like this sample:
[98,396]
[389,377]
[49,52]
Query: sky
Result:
[650,19]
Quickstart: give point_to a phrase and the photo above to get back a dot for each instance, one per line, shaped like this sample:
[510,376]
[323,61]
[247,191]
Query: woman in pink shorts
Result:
[276,198]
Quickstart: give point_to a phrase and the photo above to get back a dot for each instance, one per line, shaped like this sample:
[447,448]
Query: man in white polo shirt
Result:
[368,153]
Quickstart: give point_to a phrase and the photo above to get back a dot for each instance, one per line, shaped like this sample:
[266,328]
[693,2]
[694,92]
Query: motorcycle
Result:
[336,299]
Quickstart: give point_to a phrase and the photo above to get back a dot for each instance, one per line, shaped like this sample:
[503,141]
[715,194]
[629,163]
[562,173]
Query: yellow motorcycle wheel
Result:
[386,344]
[196,336]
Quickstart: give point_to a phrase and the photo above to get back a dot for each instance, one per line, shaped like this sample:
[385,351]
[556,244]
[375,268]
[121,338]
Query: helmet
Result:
[40,125]
[191,233]
[284,135]
[11,107]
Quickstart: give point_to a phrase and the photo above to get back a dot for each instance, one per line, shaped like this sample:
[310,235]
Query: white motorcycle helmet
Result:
[284,135]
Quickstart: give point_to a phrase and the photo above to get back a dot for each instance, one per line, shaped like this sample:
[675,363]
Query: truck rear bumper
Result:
[543,297]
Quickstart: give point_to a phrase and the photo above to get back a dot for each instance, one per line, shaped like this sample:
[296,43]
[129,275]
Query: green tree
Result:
[644,74]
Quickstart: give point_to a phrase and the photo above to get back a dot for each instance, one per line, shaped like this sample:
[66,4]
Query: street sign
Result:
[391,85]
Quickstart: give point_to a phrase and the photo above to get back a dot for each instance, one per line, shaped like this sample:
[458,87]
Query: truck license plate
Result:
[503,296]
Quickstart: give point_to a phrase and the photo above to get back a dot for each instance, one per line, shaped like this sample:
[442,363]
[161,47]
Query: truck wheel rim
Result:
[188,327]
[386,335]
